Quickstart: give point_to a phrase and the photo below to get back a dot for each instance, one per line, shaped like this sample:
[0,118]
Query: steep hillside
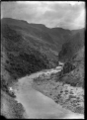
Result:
[28,48]
[18,58]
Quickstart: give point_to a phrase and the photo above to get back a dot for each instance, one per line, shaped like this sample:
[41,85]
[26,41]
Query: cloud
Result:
[68,15]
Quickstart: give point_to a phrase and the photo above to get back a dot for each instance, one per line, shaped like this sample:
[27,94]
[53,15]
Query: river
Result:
[37,105]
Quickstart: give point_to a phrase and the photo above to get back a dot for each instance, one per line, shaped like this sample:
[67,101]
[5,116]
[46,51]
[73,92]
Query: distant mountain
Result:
[28,48]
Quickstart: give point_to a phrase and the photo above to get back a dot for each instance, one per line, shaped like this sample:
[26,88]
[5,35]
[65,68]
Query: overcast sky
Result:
[68,15]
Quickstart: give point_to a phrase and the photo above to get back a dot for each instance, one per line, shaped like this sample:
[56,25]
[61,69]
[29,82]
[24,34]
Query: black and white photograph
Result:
[43,59]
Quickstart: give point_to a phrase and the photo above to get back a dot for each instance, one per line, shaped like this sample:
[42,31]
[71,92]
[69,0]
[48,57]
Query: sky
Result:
[67,15]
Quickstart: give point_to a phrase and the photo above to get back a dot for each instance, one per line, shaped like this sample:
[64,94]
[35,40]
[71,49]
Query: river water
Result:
[36,104]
